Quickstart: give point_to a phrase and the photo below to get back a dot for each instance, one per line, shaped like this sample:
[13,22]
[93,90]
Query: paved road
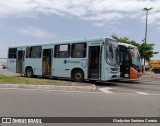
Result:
[42,103]
[130,87]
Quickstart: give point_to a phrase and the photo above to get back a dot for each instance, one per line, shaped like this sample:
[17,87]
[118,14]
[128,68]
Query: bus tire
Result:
[78,76]
[29,72]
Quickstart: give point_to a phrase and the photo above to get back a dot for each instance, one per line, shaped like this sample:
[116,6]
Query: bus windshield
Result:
[135,56]
[112,55]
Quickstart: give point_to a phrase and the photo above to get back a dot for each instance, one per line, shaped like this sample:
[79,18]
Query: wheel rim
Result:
[78,76]
[29,73]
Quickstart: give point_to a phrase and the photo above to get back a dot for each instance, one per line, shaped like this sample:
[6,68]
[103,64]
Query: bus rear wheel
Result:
[78,76]
[29,72]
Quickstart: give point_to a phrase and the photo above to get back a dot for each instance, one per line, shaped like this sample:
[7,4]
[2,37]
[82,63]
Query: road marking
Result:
[138,92]
[142,93]
[106,90]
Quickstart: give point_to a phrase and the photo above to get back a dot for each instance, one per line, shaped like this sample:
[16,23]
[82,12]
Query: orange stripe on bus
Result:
[133,73]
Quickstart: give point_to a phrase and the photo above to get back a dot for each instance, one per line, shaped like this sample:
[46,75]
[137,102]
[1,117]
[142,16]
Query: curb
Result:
[50,87]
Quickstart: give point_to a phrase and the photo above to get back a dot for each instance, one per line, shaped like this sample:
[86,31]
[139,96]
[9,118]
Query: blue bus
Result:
[85,59]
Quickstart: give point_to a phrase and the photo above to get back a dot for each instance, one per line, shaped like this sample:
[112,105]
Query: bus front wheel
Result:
[78,76]
[29,72]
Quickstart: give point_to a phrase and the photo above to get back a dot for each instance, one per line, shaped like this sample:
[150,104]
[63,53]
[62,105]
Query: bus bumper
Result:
[134,74]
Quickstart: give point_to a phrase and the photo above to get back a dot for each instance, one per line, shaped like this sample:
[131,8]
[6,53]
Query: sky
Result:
[42,21]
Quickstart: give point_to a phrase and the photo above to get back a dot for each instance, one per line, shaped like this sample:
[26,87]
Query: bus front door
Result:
[46,67]
[94,62]
[20,61]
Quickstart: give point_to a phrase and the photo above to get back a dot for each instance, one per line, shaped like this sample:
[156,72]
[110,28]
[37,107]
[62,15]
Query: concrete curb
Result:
[50,87]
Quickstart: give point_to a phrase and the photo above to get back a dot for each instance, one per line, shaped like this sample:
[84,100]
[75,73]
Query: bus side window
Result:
[27,52]
[133,54]
[12,53]
[79,50]
[62,51]
[127,58]
[35,52]
[121,57]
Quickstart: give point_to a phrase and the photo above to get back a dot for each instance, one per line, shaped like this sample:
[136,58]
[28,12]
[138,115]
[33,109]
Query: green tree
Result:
[145,50]
[126,40]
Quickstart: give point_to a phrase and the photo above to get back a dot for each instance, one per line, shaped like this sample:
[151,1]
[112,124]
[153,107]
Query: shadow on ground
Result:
[111,83]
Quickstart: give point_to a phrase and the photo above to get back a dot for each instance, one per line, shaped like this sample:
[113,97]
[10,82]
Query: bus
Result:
[130,61]
[85,59]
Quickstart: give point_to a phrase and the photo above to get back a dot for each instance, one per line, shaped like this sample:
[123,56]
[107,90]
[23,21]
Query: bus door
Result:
[47,62]
[124,63]
[20,61]
[94,64]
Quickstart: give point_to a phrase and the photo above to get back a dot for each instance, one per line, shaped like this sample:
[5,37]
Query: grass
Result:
[36,81]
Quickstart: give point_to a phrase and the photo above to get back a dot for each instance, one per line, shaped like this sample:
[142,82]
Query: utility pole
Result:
[145,40]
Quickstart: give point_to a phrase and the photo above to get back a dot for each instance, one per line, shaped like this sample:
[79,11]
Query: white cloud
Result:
[16,8]
[35,32]
[114,30]
[92,10]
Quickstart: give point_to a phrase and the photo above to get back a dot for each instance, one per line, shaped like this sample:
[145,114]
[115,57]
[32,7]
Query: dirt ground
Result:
[150,77]
[6,72]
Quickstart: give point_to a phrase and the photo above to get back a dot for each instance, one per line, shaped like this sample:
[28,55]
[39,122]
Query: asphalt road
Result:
[130,87]
[43,103]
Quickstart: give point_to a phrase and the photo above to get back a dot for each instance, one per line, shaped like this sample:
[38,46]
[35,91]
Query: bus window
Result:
[35,52]
[135,57]
[133,54]
[12,53]
[121,57]
[62,51]
[111,55]
[27,52]
[79,50]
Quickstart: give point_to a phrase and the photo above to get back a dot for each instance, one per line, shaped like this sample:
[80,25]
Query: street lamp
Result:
[145,40]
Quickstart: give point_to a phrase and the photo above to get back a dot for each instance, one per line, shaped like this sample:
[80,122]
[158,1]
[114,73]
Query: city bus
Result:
[85,59]
[130,61]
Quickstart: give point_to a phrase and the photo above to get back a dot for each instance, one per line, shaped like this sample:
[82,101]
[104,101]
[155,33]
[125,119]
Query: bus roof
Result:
[63,42]
[126,45]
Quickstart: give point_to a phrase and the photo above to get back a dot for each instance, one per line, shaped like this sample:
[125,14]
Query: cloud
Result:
[16,8]
[115,30]
[35,32]
[90,10]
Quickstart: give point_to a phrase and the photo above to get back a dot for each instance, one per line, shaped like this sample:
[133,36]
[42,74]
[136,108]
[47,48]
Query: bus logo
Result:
[65,61]
[71,61]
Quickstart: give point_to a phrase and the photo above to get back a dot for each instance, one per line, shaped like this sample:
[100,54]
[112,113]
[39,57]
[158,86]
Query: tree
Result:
[126,40]
[145,50]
